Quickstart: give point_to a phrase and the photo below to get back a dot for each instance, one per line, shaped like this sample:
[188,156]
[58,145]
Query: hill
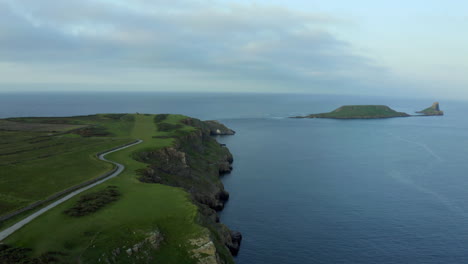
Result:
[432,110]
[161,209]
[359,112]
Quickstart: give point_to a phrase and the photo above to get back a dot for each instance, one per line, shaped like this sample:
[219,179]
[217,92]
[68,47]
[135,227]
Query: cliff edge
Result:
[195,162]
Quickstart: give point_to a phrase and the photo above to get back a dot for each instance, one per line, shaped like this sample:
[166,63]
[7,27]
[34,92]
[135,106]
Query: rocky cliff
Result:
[195,162]
[433,110]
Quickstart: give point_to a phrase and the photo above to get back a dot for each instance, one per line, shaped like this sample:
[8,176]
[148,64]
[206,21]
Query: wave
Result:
[422,145]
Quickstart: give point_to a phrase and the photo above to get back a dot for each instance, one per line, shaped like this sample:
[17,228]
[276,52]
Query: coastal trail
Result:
[7,232]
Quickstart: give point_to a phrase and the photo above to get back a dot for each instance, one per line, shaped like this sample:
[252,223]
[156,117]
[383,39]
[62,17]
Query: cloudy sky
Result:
[335,46]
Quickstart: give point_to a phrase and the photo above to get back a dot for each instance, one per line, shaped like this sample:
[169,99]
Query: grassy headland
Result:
[150,222]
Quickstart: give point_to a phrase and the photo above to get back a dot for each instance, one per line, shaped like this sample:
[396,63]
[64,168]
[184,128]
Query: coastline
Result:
[198,162]
[179,152]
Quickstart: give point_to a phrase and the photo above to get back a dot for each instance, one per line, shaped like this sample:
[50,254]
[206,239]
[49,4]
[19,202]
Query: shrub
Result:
[92,202]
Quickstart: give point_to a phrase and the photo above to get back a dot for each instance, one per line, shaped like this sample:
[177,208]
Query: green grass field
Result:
[40,159]
[360,111]
[141,209]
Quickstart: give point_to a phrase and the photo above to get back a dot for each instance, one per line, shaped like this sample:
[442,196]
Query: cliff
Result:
[359,112]
[133,218]
[217,128]
[195,162]
[433,110]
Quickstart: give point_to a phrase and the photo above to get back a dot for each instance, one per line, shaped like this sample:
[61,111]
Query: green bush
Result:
[90,203]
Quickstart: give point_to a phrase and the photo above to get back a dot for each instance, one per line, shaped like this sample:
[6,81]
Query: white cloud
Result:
[249,44]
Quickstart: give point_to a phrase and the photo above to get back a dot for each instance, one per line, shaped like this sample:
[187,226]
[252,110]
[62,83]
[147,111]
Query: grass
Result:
[141,209]
[49,158]
[361,111]
[36,127]
[432,110]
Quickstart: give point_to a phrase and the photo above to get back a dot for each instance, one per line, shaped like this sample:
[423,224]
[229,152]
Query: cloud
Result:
[200,41]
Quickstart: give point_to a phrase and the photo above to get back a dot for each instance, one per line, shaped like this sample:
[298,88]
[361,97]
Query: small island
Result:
[433,110]
[359,112]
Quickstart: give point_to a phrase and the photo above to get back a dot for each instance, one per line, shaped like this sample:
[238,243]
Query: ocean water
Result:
[320,190]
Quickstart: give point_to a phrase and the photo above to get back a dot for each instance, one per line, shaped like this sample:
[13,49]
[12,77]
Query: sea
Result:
[319,190]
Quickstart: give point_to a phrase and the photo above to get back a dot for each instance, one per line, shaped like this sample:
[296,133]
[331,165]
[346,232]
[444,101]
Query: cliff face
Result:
[195,162]
[433,110]
[217,128]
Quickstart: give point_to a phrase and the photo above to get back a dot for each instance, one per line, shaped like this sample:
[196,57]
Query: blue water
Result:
[318,190]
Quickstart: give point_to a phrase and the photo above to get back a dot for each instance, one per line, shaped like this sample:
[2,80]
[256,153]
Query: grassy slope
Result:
[432,110]
[142,208]
[36,164]
[361,111]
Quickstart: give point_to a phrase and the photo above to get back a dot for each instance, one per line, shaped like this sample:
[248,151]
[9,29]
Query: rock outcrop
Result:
[204,250]
[216,128]
[213,127]
[235,241]
[195,162]
[136,253]
[433,110]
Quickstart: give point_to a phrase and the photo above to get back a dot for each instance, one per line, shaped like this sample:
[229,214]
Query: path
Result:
[5,233]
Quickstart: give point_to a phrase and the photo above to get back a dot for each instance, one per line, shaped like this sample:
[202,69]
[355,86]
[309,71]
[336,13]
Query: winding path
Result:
[5,233]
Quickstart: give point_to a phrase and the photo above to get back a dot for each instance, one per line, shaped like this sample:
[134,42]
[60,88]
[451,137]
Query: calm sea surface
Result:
[318,190]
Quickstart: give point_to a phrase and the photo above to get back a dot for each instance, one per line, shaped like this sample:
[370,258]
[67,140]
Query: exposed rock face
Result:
[138,251]
[213,127]
[432,110]
[217,128]
[225,167]
[234,245]
[195,162]
[165,161]
[205,250]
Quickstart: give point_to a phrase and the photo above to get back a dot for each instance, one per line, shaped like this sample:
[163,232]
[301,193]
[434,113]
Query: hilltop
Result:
[432,110]
[359,112]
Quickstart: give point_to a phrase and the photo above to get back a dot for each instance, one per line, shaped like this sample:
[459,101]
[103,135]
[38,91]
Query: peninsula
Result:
[359,112]
[433,110]
[161,208]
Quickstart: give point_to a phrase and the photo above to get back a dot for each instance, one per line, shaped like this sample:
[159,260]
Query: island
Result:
[156,197]
[359,112]
[433,110]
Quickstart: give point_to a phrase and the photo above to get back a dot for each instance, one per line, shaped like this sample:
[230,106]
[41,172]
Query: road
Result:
[5,233]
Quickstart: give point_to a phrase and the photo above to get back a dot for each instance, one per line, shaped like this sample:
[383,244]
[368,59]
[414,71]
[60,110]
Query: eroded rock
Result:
[205,250]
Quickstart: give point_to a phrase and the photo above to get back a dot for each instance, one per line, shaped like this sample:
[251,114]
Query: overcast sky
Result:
[348,47]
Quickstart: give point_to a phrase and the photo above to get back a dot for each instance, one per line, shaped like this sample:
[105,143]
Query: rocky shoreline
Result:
[196,163]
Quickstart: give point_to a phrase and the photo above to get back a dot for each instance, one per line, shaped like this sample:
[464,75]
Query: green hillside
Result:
[144,215]
[360,112]
[432,110]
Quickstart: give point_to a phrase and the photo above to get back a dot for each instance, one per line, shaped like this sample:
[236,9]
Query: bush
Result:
[90,203]
[161,117]
[94,131]
[166,127]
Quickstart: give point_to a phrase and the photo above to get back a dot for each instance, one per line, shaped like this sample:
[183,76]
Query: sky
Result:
[361,47]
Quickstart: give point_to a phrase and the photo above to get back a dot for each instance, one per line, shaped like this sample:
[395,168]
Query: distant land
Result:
[432,110]
[371,112]
[161,209]
[359,112]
